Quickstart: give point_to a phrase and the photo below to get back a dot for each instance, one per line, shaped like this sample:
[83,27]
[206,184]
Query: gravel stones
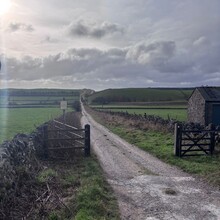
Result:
[164,192]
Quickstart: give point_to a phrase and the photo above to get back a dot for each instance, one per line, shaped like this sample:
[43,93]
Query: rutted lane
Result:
[147,188]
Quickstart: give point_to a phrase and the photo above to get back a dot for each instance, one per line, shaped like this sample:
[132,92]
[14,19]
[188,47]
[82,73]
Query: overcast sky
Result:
[100,44]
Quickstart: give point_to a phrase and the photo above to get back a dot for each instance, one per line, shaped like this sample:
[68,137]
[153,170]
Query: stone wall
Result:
[18,157]
[20,165]
[196,108]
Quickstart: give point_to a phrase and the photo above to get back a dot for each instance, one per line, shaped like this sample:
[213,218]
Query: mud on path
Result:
[147,188]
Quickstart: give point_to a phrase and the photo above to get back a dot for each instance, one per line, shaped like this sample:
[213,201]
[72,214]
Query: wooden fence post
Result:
[177,143]
[87,140]
[45,141]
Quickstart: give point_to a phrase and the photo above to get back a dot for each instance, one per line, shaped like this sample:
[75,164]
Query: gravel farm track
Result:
[147,188]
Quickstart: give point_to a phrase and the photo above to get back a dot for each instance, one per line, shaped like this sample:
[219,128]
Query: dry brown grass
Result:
[116,120]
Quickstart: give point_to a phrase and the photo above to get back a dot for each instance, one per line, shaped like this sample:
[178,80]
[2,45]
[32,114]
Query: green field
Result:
[41,98]
[23,120]
[39,92]
[161,106]
[36,97]
[140,95]
[177,114]
[162,102]
[42,101]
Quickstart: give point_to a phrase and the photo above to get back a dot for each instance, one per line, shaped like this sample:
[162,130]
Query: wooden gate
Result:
[193,142]
[61,137]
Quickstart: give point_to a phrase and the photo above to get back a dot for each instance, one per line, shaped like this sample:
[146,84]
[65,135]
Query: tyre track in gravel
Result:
[147,188]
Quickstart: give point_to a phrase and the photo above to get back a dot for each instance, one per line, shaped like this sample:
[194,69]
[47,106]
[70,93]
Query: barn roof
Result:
[210,94]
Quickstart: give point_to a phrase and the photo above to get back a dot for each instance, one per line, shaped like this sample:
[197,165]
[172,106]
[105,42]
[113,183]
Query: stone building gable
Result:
[196,108]
[204,106]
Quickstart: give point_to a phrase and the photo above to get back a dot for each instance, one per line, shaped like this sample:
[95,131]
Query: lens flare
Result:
[4,6]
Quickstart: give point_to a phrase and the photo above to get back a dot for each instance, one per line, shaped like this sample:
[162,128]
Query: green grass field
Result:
[23,120]
[36,97]
[161,106]
[41,98]
[163,102]
[177,114]
[38,101]
[140,95]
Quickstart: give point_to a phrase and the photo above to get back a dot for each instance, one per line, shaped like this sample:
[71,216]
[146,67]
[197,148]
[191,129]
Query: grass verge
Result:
[161,145]
[85,191]
[177,112]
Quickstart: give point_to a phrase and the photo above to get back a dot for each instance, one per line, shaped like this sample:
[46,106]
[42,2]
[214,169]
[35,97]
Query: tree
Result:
[76,106]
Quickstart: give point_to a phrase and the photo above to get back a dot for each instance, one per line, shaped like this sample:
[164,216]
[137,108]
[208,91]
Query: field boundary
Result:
[109,108]
[191,142]
[60,137]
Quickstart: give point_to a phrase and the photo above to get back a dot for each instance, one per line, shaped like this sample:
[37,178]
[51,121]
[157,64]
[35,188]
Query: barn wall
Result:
[196,108]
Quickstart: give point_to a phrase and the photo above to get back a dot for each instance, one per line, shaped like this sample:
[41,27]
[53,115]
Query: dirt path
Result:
[147,188]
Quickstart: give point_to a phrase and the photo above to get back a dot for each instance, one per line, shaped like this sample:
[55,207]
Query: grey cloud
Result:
[15,26]
[159,64]
[80,63]
[185,51]
[93,30]
[154,54]
[200,41]
[208,61]
[49,39]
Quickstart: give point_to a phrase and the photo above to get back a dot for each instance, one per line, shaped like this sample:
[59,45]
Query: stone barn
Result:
[204,106]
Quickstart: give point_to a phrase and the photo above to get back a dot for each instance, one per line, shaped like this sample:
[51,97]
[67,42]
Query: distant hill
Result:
[33,98]
[39,92]
[140,95]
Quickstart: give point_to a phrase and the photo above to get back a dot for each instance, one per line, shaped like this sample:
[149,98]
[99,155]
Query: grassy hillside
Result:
[36,97]
[39,92]
[140,95]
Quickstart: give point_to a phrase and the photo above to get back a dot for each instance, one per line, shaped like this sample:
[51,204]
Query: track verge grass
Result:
[61,189]
[161,144]
[84,190]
